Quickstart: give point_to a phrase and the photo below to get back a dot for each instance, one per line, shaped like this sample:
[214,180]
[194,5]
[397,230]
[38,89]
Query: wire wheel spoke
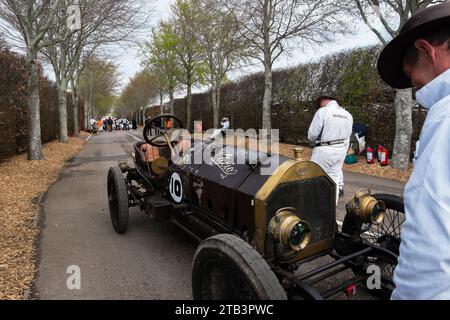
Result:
[373,234]
[391,226]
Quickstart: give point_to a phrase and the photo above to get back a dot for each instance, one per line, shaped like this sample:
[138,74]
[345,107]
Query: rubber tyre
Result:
[118,200]
[226,267]
[391,201]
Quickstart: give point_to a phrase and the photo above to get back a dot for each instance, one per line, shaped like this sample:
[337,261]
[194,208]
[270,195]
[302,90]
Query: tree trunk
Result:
[218,90]
[268,85]
[214,105]
[62,107]
[267,101]
[34,115]
[86,115]
[161,104]
[172,103]
[76,127]
[189,103]
[403,131]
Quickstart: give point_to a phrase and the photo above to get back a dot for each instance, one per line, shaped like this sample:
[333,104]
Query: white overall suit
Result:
[225,126]
[423,271]
[331,123]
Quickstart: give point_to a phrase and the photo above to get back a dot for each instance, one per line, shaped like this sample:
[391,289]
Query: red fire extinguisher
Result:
[369,154]
[384,157]
[379,151]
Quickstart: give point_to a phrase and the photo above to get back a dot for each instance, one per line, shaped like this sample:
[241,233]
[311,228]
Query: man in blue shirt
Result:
[420,57]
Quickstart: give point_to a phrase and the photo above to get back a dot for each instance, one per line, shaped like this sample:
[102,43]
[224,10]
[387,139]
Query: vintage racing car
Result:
[256,230]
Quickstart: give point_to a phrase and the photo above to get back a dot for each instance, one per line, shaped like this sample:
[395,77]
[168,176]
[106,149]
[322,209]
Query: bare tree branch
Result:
[268,25]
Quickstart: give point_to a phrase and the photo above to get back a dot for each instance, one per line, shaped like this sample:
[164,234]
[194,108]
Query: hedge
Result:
[13,105]
[352,75]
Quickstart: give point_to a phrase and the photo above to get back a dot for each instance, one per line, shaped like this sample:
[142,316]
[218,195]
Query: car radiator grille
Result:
[315,203]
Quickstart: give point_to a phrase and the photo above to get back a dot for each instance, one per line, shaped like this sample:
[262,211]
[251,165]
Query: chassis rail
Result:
[302,285]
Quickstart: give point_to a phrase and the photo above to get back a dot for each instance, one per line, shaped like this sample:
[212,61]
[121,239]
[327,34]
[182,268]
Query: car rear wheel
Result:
[387,235]
[118,200]
[227,268]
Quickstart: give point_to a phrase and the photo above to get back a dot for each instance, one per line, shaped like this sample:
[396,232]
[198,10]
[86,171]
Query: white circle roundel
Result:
[176,188]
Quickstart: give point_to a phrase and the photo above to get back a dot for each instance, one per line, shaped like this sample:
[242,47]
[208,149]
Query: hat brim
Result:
[390,62]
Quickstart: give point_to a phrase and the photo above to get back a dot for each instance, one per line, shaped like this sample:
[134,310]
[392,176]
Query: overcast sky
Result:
[129,62]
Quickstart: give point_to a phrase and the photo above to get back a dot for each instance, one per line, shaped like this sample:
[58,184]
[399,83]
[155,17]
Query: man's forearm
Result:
[313,137]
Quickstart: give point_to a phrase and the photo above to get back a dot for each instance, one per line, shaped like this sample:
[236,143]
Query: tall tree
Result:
[269,25]
[223,46]
[28,22]
[159,56]
[139,92]
[97,86]
[180,36]
[385,19]
[74,82]
[102,22]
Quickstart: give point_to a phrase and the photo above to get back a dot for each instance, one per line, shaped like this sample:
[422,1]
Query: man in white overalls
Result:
[330,134]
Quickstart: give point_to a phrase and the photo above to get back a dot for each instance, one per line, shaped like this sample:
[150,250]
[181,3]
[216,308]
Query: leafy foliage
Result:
[138,93]
[159,57]
[97,85]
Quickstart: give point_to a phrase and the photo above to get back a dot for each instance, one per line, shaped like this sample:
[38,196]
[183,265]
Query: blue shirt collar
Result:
[434,91]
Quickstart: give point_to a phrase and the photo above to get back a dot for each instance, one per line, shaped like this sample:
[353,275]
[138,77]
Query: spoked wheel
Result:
[228,268]
[387,235]
[118,200]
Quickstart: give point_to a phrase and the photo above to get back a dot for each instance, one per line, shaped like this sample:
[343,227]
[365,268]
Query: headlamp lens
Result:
[378,212]
[298,234]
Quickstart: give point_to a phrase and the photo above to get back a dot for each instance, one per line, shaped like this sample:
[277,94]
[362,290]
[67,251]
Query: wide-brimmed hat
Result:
[326,95]
[390,63]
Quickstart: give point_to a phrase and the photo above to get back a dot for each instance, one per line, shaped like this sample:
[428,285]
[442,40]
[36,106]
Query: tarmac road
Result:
[151,261]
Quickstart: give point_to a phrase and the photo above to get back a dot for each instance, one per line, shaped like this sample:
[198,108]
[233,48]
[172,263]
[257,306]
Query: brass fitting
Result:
[160,166]
[298,153]
[366,207]
[124,167]
[292,232]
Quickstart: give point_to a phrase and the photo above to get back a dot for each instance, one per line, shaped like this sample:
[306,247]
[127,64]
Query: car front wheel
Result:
[227,268]
[118,200]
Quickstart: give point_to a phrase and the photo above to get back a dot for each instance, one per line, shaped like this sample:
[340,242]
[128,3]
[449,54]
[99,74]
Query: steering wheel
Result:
[155,131]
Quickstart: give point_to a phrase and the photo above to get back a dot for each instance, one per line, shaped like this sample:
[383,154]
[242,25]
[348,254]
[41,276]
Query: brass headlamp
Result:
[367,208]
[292,232]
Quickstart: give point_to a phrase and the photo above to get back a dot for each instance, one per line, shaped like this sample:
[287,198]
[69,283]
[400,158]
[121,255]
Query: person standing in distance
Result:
[225,126]
[330,133]
[419,57]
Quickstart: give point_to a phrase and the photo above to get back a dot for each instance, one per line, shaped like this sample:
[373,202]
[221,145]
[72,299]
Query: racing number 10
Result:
[176,188]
